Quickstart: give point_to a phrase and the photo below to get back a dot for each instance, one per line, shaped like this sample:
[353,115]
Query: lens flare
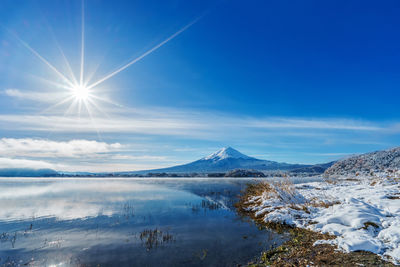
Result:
[80,92]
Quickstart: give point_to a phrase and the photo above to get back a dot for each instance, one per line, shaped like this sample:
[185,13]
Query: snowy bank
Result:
[363,213]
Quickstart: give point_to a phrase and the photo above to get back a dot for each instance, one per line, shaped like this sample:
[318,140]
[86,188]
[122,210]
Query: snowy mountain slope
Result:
[226,152]
[227,159]
[378,161]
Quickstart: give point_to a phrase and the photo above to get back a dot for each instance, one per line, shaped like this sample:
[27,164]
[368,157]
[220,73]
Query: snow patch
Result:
[358,212]
[226,152]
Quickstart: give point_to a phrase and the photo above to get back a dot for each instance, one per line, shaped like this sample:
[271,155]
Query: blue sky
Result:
[294,81]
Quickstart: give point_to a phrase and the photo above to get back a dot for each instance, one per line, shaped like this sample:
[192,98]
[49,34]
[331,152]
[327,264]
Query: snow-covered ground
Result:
[363,214]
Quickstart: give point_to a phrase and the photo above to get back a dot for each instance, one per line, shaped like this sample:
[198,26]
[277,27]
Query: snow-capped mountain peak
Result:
[227,159]
[226,152]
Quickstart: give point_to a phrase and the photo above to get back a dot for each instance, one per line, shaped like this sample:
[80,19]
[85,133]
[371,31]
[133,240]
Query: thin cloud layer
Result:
[46,97]
[6,163]
[169,121]
[179,124]
[42,148]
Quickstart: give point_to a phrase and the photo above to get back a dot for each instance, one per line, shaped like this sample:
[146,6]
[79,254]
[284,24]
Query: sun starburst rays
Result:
[76,98]
[79,97]
[26,45]
[82,44]
[133,61]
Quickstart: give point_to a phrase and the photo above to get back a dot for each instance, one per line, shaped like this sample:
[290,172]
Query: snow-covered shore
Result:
[363,213]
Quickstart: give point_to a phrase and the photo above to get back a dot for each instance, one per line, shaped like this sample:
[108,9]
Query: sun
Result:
[80,92]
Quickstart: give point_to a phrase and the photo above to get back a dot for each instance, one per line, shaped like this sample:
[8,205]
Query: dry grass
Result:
[286,192]
[331,180]
[352,179]
[374,182]
[286,185]
[152,238]
[243,205]
[368,224]
[266,187]
[258,189]
[315,202]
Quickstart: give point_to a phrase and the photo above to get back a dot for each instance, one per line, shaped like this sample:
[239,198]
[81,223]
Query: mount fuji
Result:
[227,159]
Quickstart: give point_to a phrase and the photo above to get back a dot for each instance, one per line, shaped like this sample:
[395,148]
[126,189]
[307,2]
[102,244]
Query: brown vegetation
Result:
[154,238]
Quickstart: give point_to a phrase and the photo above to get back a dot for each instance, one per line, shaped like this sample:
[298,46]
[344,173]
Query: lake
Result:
[126,222]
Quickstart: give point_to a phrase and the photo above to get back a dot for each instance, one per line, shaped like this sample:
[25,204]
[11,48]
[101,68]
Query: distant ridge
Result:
[223,160]
[27,172]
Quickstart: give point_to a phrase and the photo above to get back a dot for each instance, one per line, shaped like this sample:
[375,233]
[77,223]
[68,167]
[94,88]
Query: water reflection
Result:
[72,222]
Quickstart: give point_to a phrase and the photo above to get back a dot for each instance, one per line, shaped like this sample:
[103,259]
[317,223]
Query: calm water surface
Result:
[126,222]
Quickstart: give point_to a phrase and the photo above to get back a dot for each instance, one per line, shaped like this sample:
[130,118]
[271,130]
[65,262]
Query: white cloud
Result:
[85,166]
[104,124]
[327,124]
[12,147]
[76,155]
[25,163]
[34,96]
[140,158]
[110,166]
